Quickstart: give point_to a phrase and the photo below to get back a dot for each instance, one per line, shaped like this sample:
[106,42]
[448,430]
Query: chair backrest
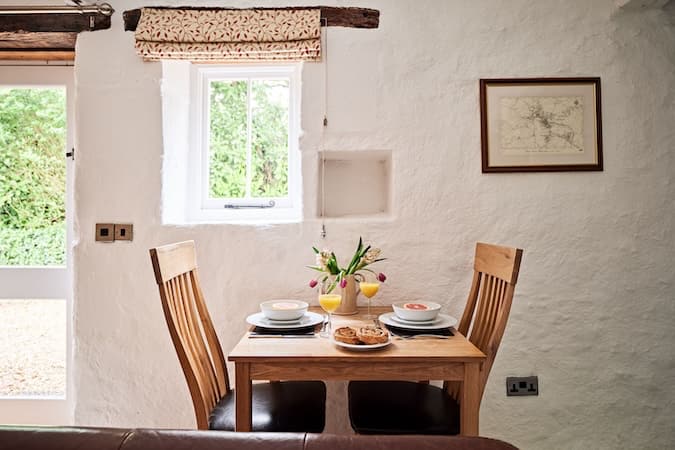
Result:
[489,304]
[190,326]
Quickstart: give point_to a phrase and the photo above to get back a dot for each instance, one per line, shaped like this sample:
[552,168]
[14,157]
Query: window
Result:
[243,158]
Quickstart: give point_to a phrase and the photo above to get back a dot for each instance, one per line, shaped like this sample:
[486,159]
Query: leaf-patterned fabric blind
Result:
[228,35]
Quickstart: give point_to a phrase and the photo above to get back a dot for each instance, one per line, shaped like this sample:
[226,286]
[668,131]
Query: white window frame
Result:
[202,208]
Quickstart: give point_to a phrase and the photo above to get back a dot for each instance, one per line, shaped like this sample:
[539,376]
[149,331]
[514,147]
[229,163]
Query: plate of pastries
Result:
[361,338]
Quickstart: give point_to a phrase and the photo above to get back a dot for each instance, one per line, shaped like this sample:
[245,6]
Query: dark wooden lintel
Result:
[349,17]
[42,23]
[45,36]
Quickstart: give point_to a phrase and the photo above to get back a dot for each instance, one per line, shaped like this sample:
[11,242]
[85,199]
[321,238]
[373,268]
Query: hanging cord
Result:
[323,195]
[325,73]
[324,35]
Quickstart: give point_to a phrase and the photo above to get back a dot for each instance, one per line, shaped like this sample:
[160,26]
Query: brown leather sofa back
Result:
[374,442]
[63,438]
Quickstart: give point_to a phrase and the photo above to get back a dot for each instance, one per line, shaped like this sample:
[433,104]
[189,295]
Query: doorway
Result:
[36,131]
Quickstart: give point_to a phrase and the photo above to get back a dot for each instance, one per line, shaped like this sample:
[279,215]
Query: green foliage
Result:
[26,247]
[269,142]
[32,176]
[229,134]
[228,139]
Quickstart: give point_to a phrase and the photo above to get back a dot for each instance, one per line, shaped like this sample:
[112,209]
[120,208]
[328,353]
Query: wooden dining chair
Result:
[406,407]
[279,406]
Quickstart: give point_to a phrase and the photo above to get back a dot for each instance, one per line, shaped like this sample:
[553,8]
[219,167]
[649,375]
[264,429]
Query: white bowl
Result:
[284,309]
[416,311]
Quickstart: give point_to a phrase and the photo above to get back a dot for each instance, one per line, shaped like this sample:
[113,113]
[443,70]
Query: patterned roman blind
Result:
[228,35]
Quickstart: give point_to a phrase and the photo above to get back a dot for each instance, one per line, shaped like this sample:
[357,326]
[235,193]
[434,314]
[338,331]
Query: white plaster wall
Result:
[593,309]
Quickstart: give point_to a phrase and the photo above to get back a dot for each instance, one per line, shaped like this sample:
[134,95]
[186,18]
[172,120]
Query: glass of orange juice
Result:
[329,303]
[369,289]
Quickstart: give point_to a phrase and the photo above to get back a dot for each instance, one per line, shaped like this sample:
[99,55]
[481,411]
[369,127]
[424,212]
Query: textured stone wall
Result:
[593,310]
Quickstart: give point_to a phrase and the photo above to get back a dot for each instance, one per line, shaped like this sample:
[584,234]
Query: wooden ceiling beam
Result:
[350,17]
[24,40]
[46,36]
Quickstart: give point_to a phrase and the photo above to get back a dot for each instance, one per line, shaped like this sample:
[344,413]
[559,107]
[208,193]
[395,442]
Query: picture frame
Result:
[541,124]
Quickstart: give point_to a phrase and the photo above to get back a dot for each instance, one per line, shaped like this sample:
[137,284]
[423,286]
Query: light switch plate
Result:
[124,232]
[105,232]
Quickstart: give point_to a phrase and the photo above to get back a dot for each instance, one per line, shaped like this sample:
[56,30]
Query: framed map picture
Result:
[540,124]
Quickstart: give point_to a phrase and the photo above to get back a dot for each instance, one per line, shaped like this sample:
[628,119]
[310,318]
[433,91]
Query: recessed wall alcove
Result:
[355,183]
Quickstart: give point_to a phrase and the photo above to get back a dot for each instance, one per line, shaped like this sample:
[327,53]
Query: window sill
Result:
[237,217]
[243,222]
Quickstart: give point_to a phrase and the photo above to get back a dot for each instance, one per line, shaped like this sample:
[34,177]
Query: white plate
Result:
[309,319]
[413,322]
[284,321]
[361,347]
[442,321]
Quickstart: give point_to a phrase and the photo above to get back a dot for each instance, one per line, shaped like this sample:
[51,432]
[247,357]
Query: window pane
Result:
[269,141]
[228,135]
[33,348]
[32,176]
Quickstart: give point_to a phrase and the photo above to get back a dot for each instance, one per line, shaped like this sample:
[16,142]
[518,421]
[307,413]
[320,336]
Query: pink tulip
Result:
[343,283]
[313,283]
[382,277]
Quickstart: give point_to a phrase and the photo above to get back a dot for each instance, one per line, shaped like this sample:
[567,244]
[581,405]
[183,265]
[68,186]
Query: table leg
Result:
[470,400]
[242,396]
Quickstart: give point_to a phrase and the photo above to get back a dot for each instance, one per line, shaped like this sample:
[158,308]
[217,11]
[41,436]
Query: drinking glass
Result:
[369,289]
[329,303]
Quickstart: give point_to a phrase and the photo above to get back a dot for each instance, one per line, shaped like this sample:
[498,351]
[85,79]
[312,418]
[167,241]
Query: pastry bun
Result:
[361,336]
[372,335]
[346,335]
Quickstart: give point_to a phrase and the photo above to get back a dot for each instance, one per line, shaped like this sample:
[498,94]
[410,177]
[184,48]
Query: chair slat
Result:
[193,332]
[215,350]
[178,309]
[493,310]
[481,316]
[206,363]
[470,304]
[189,342]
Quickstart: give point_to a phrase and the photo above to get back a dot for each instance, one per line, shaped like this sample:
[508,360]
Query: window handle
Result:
[232,206]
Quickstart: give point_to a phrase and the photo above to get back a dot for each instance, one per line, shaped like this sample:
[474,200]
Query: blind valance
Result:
[229,35]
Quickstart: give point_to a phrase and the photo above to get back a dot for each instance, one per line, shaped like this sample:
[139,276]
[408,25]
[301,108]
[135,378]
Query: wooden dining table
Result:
[282,358]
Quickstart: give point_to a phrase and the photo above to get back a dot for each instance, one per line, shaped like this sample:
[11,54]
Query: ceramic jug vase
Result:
[349,295]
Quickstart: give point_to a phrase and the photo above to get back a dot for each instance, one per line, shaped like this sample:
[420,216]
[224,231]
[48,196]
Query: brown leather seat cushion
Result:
[292,406]
[401,407]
